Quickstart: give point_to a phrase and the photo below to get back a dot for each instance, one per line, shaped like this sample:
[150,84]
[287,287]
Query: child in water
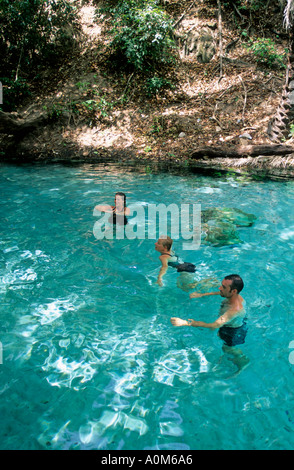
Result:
[169,258]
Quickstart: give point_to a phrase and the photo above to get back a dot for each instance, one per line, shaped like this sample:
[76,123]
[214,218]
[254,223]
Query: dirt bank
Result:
[209,106]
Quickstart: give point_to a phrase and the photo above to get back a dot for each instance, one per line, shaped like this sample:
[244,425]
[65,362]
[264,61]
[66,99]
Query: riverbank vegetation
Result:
[147,79]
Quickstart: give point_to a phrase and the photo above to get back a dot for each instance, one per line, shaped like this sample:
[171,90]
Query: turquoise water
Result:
[89,357]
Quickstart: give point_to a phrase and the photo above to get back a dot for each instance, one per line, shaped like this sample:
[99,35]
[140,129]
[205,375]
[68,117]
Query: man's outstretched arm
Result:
[198,294]
[201,324]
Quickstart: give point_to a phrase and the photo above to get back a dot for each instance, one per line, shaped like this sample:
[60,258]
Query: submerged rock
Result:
[219,226]
[235,216]
[219,233]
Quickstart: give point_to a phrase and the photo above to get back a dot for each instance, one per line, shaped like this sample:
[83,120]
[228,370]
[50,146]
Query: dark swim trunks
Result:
[233,336]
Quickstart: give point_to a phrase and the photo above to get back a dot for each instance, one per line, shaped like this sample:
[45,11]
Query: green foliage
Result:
[248,6]
[156,84]
[34,27]
[265,52]
[252,5]
[14,92]
[95,101]
[90,106]
[142,34]
[98,104]
[157,126]
[31,32]
[256,5]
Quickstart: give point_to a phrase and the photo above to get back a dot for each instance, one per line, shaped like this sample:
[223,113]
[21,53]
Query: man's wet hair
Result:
[237,282]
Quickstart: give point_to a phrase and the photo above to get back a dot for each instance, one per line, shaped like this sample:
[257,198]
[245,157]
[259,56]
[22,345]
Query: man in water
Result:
[232,320]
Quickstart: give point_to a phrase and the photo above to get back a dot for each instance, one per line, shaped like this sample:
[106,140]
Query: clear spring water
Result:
[89,357]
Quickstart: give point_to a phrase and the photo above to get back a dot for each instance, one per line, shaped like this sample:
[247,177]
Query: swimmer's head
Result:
[237,282]
[120,199]
[231,283]
[163,243]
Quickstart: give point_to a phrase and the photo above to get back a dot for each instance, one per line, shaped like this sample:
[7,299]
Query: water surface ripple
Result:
[90,359]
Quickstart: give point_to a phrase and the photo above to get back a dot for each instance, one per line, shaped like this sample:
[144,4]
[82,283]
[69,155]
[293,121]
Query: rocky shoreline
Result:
[267,166]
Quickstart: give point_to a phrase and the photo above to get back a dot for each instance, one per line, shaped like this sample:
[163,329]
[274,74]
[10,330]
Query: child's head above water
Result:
[165,242]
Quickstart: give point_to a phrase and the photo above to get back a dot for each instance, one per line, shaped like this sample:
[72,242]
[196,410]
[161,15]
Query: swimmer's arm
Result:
[200,324]
[163,269]
[179,322]
[212,326]
[102,208]
[198,294]
[221,321]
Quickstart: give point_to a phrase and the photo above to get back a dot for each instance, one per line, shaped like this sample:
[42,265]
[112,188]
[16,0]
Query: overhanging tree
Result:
[32,33]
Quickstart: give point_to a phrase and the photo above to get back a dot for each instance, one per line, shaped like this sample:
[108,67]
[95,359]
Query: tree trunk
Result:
[278,127]
[242,151]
